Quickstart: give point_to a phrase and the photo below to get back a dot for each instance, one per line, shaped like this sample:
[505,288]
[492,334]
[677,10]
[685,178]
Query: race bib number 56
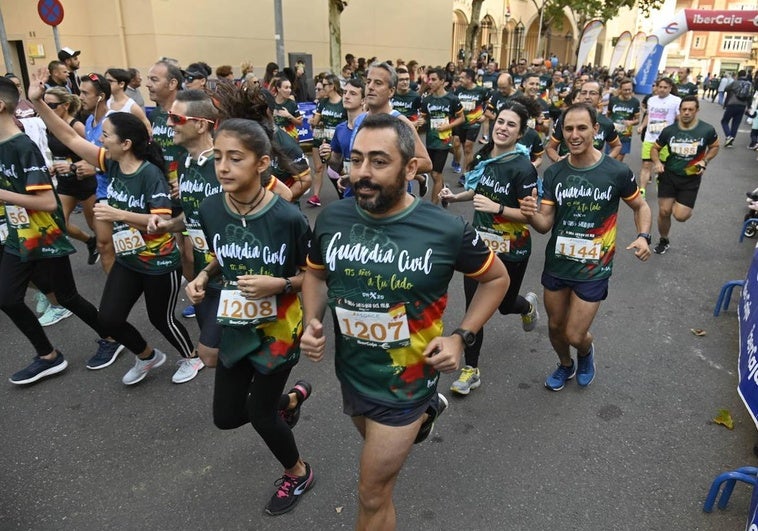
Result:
[577,249]
[17,216]
[376,329]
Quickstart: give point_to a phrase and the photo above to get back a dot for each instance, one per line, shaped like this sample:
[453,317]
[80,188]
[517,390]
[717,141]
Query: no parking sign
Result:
[50,11]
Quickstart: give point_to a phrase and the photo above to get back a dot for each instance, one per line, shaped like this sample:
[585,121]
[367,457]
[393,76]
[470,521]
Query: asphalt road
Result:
[637,450]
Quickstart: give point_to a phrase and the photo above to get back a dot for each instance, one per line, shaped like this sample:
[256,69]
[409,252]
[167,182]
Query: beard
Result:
[387,198]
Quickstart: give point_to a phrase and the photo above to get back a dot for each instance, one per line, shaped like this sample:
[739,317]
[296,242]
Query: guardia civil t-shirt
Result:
[29,234]
[330,115]
[387,285]
[687,147]
[272,242]
[285,123]
[440,110]
[291,150]
[163,135]
[583,240]
[505,182]
[473,101]
[143,192]
[407,104]
[622,110]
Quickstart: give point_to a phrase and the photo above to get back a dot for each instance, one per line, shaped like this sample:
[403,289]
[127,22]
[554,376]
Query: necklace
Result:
[252,204]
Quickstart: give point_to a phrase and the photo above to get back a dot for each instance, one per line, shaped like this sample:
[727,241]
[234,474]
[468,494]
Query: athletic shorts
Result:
[80,190]
[682,189]
[471,133]
[439,157]
[663,154]
[355,405]
[588,290]
[626,146]
[205,313]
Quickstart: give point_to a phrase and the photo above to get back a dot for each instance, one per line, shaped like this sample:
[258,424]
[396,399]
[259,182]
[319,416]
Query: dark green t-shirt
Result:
[606,133]
[163,135]
[408,104]
[687,147]
[623,110]
[331,115]
[586,200]
[31,234]
[294,152]
[387,283]
[473,101]
[284,123]
[144,192]
[272,242]
[505,182]
[436,111]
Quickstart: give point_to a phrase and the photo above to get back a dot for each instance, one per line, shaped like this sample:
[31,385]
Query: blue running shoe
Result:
[585,372]
[456,167]
[107,352]
[38,369]
[557,380]
[189,312]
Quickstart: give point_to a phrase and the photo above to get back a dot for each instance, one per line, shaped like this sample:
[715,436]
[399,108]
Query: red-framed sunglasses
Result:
[179,119]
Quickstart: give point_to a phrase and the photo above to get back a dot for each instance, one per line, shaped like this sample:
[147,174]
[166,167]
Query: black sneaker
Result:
[302,390]
[107,352]
[289,491]
[39,368]
[434,411]
[662,246]
[94,255]
[423,185]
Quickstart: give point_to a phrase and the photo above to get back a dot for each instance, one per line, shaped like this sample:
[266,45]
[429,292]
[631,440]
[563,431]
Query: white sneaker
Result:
[141,367]
[529,320]
[188,369]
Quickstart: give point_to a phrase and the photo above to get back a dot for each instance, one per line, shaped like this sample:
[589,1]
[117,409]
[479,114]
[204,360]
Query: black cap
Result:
[67,53]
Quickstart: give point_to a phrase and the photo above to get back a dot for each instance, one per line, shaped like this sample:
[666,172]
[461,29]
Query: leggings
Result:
[122,290]
[241,395]
[512,303]
[49,275]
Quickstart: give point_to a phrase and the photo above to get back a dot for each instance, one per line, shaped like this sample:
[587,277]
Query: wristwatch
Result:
[287,285]
[645,235]
[468,337]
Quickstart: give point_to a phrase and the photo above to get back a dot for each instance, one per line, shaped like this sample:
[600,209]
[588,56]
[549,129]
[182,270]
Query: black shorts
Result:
[588,290]
[356,405]
[682,189]
[471,133]
[78,189]
[439,157]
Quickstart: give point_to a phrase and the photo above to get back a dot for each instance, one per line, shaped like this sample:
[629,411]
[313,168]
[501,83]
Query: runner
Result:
[145,263]
[329,113]
[502,175]
[661,112]
[387,276]
[580,205]
[624,112]
[259,242]
[33,240]
[692,144]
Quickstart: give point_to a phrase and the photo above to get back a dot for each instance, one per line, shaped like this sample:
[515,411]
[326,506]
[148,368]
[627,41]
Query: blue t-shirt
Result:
[93,134]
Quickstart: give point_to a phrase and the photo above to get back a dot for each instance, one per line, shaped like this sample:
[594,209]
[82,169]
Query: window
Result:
[736,44]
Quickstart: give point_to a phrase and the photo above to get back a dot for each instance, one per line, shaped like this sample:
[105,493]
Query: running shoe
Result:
[54,314]
[585,371]
[561,375]
[753,145]
[41,303]
[422,185]
[289,491]
[38,369]
[94,255]
[433,411]
[141,367]
[188,369]
[529,319]
[189,312]
[662,246]
[484,139]
[302,390]
[107,352]
[461,180]
[469,379]
[729,141]
[456,167]
[314,201]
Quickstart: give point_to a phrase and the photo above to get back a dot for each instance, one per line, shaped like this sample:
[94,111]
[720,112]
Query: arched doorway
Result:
[488,36]
[460,23]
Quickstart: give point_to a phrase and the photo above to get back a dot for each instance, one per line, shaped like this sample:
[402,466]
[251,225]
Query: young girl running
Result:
[145,263]
[259,242]
[502,175]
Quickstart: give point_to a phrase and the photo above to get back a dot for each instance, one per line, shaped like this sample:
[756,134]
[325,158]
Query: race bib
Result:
[495,241]
[328,133]
[657,127]
[385,330]
[128,242]
[684,149]
[18,217]
[577,249]
[3,232]
[235,310]
[435,123]
[487,84]
[468,105]
[198,239]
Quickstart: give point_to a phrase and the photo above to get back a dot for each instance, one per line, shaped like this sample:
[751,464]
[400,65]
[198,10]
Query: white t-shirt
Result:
[661,112]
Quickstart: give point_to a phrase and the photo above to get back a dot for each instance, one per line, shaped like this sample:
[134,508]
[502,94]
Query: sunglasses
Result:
[178,119]
[190,79]
[54,105]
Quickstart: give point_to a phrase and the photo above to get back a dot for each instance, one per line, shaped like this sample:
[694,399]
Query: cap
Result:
[67,53]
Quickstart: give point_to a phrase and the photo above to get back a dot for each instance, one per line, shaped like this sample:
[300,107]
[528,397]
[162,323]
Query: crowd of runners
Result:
[204,188]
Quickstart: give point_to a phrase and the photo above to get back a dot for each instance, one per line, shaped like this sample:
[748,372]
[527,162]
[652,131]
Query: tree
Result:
[472,30]
[585,10]
[336,7]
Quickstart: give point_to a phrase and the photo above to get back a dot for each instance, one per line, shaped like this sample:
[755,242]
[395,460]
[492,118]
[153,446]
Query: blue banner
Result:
[648,71]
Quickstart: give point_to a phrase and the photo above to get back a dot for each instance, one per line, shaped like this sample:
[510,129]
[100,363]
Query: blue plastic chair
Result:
[726,295]
[746,474]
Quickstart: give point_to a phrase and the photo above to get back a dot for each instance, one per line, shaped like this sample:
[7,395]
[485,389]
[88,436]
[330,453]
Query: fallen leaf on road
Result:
[338,509]
[699,332]
[725,419]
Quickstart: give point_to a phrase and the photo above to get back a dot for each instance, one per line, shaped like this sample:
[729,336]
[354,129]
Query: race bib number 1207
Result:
[386,330]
